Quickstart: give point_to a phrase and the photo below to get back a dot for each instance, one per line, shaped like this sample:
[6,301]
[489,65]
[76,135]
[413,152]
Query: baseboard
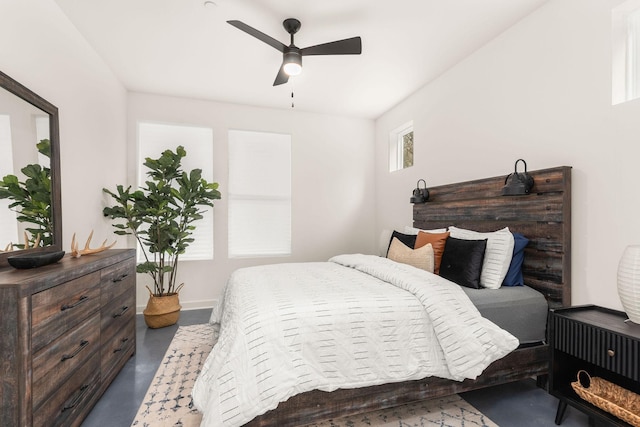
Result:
[188,305]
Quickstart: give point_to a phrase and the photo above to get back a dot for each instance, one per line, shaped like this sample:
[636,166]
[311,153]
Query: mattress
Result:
[520,310]
[356,321]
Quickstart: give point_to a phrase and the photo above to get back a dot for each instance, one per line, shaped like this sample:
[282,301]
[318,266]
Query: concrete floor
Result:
[511,405]
[119,404]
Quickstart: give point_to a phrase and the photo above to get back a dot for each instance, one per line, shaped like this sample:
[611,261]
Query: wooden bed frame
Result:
[544,217]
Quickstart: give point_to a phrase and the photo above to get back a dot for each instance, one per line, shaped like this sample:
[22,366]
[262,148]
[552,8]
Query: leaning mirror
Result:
[30,214]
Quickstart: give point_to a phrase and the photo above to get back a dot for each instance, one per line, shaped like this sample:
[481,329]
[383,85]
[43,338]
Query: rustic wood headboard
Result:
[543,216]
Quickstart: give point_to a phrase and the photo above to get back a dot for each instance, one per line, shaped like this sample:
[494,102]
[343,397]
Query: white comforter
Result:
[355,321]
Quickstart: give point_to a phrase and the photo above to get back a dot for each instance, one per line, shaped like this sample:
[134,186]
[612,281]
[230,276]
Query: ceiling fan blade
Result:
[352,46]
[259,35]
[282,77]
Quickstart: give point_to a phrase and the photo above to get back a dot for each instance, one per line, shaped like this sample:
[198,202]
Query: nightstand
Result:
[599,341]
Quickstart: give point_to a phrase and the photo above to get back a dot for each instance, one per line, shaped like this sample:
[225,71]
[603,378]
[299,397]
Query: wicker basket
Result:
[610,397]
[162,311]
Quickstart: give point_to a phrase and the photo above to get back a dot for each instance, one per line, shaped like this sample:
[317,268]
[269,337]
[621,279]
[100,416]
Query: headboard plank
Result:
[544,217]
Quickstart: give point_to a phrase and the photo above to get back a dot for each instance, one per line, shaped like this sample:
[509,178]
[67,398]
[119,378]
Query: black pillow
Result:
[408,239]
[462,261]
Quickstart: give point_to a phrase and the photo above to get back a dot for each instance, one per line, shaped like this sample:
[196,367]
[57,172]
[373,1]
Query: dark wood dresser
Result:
[599,341]
[66,330]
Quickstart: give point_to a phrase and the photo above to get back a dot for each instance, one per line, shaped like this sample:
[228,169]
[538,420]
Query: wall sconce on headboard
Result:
[516,183]
[420,195]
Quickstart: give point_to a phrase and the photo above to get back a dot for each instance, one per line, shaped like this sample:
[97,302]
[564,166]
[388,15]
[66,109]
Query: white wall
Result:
[333,157]
[332,183]
[541,91]
[41,49]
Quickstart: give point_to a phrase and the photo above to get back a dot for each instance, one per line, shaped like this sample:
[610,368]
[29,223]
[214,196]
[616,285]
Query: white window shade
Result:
[259,194]
[42,132]
[633,55]
[153,139]
[8,221]
[625,52]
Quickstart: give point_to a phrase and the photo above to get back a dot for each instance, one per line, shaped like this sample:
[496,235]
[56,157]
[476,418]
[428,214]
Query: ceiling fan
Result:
[292,54]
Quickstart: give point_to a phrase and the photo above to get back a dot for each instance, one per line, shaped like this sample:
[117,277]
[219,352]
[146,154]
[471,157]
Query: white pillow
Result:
[497,256]
[420,258]
[413,230]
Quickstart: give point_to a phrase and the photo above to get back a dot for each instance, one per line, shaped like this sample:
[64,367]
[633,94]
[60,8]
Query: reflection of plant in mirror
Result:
[32,198]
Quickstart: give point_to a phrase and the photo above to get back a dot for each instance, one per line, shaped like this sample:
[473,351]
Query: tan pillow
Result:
[420,258]
[438,241]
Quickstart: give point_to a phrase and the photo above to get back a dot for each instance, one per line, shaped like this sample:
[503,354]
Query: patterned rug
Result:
[168,400]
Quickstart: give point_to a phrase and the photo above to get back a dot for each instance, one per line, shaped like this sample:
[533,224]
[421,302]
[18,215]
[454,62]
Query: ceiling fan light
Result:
[292,63]
[292,68]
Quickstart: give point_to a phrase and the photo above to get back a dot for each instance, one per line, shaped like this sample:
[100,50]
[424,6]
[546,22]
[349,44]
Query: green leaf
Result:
[160,213]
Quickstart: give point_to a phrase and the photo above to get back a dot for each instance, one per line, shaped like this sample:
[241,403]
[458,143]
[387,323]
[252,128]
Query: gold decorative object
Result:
[26,241]
[36,243]
[76,253]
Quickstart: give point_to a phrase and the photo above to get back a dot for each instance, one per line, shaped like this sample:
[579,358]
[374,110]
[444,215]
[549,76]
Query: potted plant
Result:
[160,215]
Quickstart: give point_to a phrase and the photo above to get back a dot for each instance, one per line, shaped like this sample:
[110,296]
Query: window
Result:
[633,54]
[153,139]
[626,52]
[8,228]
[401,147]
[42,132]
[259,194]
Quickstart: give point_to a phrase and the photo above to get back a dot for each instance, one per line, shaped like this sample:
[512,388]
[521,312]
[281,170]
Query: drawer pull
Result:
[120,279]
[82,345]
[75,304]
[123,341]
[611,353]
[76,399]
[123,310]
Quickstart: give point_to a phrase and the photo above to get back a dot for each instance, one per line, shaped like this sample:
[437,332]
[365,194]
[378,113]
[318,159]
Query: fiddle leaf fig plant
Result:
[31,198]
[161,215]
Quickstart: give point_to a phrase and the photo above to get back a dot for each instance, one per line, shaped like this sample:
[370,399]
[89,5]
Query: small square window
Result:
[401,148]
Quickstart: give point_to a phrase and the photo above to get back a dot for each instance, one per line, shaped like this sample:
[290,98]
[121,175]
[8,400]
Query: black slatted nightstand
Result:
[599,341]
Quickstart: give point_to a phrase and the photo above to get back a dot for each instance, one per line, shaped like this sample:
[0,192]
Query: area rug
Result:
[168,399]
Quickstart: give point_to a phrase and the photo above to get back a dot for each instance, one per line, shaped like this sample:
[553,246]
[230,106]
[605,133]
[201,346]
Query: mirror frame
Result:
[37,101]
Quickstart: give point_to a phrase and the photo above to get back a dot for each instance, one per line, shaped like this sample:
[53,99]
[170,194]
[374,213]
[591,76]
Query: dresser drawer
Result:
[604,348]
[53,364]
[70,403]
[56,310]
[117,280]
[116,315]
[117,350]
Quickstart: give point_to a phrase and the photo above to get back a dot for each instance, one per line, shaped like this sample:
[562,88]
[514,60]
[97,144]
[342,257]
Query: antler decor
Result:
[27,245]
[87,250]
[36,243]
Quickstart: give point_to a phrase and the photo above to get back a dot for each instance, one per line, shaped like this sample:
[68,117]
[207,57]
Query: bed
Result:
[543,216]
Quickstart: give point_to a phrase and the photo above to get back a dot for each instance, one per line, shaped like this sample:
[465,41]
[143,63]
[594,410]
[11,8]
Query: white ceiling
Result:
[185,48]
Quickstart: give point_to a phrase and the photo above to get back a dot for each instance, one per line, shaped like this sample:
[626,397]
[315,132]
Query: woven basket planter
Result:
[609,397]
[162,311]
